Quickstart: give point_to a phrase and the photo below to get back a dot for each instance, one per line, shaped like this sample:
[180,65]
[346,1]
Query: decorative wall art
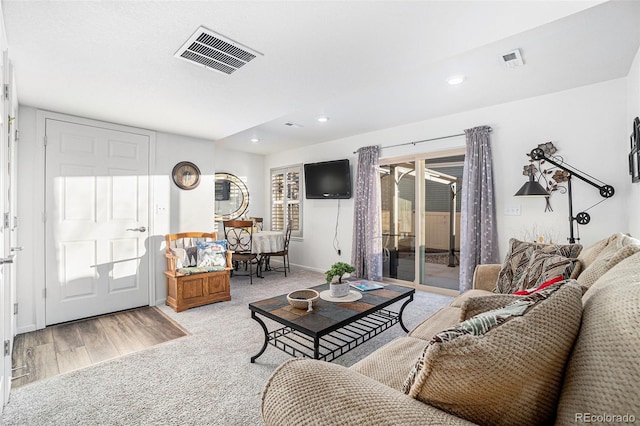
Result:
[551,178]
[634,155]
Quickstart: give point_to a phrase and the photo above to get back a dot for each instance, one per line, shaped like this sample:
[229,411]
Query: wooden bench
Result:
[186,291]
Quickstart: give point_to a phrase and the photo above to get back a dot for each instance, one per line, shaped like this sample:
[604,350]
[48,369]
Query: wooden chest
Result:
[188,291]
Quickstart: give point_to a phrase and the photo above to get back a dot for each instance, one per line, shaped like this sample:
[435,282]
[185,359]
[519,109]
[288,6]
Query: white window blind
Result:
[286,206]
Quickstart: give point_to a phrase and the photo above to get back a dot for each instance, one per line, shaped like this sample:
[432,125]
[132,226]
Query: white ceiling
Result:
[366,65]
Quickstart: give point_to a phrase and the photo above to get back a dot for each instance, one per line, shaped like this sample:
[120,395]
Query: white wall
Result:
[176,210]
[587,124]
[633,110]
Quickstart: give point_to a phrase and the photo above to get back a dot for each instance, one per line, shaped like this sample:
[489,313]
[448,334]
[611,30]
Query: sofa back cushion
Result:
[502,367]
[603,372]
[618,248]
[589,254]
[516,262]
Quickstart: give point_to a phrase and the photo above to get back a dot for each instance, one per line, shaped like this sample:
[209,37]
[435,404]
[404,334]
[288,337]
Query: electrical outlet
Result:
[512,211]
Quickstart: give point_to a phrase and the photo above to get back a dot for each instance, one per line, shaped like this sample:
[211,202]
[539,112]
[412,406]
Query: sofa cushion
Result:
[602,375]
[459,301]
[512,373]
[619,247]
[518,257]
[390,363]
[445,318]
[589,254]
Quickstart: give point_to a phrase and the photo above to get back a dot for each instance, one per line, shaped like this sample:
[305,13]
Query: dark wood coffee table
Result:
[332,328]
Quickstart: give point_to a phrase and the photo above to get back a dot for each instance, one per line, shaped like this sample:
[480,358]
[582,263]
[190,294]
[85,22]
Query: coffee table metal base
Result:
[334,344]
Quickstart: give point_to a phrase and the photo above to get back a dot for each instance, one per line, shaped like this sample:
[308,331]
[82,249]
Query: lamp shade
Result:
[532,188]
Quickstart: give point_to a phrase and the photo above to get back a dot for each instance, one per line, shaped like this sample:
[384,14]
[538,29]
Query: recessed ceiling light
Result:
[456,79]
[255,140]
[323,119]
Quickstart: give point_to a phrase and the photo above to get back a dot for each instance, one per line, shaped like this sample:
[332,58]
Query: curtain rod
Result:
[424,140]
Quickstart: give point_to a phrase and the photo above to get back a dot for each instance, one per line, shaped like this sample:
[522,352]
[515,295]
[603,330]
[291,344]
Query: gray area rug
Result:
[202,379]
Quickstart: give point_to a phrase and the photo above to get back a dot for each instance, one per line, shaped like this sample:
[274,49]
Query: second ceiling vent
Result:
[215,52]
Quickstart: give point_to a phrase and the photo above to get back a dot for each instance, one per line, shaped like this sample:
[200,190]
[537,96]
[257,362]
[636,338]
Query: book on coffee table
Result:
[363,285]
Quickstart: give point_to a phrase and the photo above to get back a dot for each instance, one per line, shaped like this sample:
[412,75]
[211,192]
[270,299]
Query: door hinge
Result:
[45,140]
[6,91]
[44,293]
[7,348]
[17,138]
[15,309]
[44,216]
[7,222]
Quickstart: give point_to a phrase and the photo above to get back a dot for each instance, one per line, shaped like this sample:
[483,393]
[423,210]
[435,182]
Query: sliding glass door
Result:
[421,218]
[397,186]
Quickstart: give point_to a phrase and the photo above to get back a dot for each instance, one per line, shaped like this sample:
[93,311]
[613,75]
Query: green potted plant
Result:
[338,269]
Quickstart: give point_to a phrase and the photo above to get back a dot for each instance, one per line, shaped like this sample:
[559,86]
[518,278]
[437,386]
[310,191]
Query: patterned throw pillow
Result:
[518,257]
[181,255]
[212,253]
[542,286]
[543,267]
[477,305]
[192,256]
[511,360]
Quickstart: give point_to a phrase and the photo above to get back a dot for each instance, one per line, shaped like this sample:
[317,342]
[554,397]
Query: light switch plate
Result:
[512,211]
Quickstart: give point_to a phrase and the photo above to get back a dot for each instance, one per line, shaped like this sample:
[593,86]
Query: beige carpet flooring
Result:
[204,378]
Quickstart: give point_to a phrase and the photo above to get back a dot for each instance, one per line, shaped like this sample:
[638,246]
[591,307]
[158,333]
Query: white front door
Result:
[97,186]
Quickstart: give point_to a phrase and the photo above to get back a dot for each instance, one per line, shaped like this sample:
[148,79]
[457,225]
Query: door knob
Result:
[141,229]
[17,248]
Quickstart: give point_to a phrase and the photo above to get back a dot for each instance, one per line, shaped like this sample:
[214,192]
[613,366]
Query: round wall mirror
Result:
[231,197]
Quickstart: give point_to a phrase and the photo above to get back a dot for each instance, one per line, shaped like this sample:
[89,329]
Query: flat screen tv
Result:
[222,190]
[328,179]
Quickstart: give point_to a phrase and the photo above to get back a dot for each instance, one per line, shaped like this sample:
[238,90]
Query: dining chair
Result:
[239,235]
[258,221]
[284,253]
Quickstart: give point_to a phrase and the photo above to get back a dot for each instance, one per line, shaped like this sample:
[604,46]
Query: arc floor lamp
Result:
[533,188]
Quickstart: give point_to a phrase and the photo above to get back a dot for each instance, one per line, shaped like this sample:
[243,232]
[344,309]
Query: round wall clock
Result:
[186,175]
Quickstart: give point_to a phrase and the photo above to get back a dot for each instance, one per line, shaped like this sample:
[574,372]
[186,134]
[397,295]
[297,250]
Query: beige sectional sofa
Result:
[573,357]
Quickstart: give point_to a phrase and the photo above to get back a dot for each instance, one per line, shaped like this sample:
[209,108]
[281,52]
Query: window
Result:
[286,188]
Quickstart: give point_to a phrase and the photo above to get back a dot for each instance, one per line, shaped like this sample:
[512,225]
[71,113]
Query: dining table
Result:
[267,242]
[263,242]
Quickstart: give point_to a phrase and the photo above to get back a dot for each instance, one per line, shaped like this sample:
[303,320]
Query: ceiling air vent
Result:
[215,52]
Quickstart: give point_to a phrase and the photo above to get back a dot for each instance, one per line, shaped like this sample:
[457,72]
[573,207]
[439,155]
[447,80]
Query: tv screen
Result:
[222,190]
[329,179]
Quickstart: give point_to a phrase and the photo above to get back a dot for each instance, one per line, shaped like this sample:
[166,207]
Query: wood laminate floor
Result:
[69,346]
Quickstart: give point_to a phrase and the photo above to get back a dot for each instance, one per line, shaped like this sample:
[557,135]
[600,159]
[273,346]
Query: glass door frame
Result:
[419,217]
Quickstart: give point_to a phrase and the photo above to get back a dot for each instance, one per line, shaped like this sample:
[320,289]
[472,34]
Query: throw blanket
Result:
[199,269]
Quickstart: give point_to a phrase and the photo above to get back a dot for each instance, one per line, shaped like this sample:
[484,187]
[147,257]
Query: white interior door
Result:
[97,187]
